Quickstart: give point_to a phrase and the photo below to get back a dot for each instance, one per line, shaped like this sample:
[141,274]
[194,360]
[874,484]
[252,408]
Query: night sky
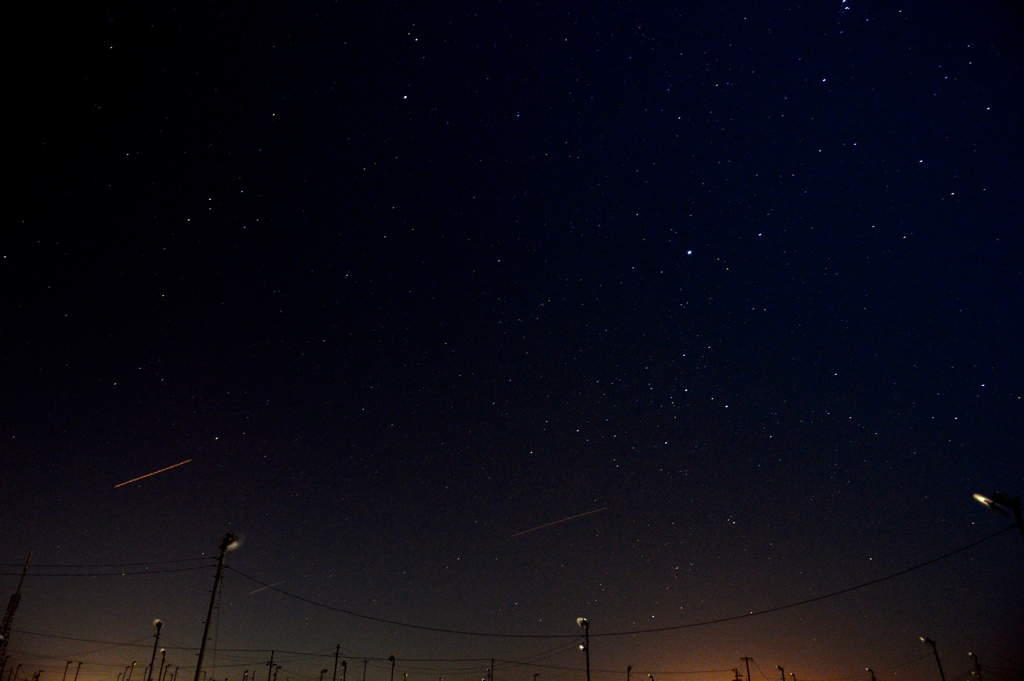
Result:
[734,290]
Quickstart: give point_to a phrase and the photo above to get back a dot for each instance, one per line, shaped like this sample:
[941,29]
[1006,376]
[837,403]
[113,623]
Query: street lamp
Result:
[78,669]
[230,542]
[977,665]
[585,625]
[1005,505]
[64,678]
[779,667]
[392,658]
[156,641]
[928,641]
[129,670]
[871,671]
[322,672]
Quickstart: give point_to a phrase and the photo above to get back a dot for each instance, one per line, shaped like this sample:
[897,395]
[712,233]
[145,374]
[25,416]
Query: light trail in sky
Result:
[148,475]
[256,591]
[563,520]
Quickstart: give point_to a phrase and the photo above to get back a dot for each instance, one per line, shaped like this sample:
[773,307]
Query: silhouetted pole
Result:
[392,658]
[779,667]
[736,673]
[65,677]
[585,623]
[229,541]
[270,667]
[365,662]
[793,675]
[629,668]
[78,669]
[936,652]
[747,660]
[977,665]
[337,649]
[156,641]
[344,669]
[322,672]
[871,671]
[163,661]
[130,670]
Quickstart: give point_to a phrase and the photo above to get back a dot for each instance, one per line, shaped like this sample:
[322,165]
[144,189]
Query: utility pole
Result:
[747,660]
[977,665]
[365,662]
[270,667]
[392,658]
[736,672]
[928,641]
[12,605]
[585,624]
[156,641]
[229,542]
[337,649]
[629,668]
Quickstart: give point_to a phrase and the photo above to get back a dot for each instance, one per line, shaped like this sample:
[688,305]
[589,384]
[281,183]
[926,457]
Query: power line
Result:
[102,565]
[632,632]
[121,573]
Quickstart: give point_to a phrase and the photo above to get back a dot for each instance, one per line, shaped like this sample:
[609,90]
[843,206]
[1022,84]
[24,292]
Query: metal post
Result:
[977,665]
[78,669]
[344,669]
[392,658]
[936,652]
[229,540]
[747,660]
[156,641]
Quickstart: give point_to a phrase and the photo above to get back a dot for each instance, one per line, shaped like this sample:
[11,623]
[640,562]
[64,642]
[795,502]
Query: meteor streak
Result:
[256,591]
[563,520]
[147,475]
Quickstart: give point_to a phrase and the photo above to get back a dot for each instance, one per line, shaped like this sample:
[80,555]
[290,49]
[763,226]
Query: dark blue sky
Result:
[404,280]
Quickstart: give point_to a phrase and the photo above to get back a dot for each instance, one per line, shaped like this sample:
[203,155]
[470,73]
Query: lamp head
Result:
[582,621]
[232,541]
